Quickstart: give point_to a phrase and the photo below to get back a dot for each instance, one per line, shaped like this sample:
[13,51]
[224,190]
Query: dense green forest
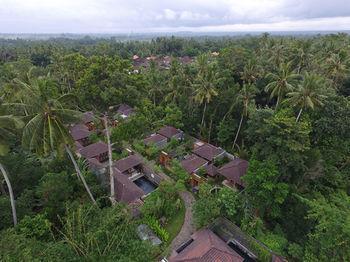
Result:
[282,103]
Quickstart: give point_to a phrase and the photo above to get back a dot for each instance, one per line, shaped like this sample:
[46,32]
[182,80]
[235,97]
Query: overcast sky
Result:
[126,16]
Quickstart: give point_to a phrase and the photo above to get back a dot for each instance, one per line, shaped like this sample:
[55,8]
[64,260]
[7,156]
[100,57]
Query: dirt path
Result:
[187,228]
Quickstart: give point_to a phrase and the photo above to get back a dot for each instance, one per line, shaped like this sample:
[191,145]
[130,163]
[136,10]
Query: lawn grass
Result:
[173,227]
[175,223]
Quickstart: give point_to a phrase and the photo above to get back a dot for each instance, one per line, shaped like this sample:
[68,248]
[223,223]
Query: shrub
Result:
[157,228]
[38,227]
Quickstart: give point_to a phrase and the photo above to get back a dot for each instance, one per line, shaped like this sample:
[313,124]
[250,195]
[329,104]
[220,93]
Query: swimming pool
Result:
[146,185]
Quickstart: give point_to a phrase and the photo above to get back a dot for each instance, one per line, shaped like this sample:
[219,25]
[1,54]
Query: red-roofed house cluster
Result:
[133,179]
[203,161]
[202,164]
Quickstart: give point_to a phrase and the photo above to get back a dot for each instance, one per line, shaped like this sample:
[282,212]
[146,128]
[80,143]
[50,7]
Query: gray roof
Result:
[192,163]
[79,133]
[169,131]
[234,170]
[208,151]
[94,150]
[126,163]
[126,190]
[154,138]
[206,247]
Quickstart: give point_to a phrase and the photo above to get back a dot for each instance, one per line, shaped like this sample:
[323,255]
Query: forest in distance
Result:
[279,102]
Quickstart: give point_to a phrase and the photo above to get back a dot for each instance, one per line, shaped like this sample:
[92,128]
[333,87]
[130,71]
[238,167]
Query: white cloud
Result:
[169,14]
[83,16]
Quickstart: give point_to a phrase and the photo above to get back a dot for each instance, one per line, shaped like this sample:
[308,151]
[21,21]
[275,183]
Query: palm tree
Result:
[281,83]
[250,72]
[46,122]
[205,89]
[245,97]
[176,85]
[7,124]
[154,81]
[307,95]
[336,67]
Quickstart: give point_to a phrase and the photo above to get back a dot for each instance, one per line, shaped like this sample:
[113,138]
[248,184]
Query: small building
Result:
[97,150]
[233,172]
[204,245]
[126,191]
[193,164]
[171,132]
[156,139]
[125,111]
[80,133]
[88,120]
[209,152]
[130,166]
[166,157]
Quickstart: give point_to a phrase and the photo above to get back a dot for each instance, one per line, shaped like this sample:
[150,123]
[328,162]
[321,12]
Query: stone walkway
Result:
[188,227]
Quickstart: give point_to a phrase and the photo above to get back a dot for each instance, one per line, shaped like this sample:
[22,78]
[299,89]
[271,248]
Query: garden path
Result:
[188,227]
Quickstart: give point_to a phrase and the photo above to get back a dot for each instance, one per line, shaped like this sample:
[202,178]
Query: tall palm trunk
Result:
[239,129]
[278,101]
[299,114]
[110,163]
[12,199]
[77,169]
[204,109]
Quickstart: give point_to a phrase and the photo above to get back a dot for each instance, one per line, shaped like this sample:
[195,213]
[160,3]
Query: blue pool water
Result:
[146,185]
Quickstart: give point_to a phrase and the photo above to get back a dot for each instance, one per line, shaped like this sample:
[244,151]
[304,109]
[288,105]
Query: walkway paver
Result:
[188,227]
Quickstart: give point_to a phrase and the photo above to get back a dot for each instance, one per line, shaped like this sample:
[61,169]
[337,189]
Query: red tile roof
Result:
[79,133]
[126,163]
[154,138]
[94,150]
[207,247]
[234,170]
[208,151]
[192,163]
[211,170]
[169,131]
[126,190]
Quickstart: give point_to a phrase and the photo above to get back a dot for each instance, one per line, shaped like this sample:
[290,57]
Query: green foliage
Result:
[37,227]
[279,138]
[163,202]
[178,171]
[225,132]
[131,129]
[107,234]
[173,116]
[157,228]
[263,189]
[93,137]
[229,202]
[290,159]
[5,214]
[295,251]
[206,208]
[16,247]
[330,239]
[152,151]
[276,242]
[53,190]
